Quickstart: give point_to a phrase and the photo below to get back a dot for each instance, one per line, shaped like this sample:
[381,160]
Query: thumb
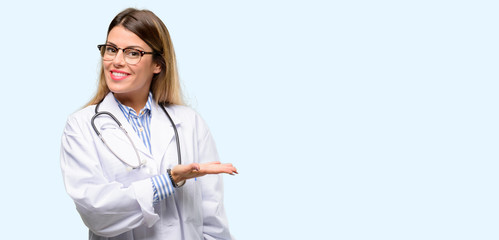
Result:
[194,167]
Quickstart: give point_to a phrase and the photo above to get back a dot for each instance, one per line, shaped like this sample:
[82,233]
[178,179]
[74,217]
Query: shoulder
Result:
[83,113]
[187,116]
[181,112]
[80,117]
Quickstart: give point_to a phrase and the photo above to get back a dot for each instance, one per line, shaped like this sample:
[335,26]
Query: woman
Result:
[131,185]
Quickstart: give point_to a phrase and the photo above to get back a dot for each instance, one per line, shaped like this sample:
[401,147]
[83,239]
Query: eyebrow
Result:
[133,46]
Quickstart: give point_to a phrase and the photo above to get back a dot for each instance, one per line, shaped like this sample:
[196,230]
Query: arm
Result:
[107,208]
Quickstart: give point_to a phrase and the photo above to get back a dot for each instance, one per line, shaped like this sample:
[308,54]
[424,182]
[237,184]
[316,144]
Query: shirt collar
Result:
[130,112]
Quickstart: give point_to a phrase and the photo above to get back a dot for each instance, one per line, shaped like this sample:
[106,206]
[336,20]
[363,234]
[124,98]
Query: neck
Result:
[135,101]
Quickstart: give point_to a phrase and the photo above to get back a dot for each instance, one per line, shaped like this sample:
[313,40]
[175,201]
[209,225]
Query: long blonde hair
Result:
[165,86]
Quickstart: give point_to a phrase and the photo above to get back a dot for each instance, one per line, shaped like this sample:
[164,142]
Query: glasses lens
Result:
[132,56]
[108,52]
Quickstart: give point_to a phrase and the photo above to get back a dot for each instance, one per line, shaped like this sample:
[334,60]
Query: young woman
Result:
[157,176]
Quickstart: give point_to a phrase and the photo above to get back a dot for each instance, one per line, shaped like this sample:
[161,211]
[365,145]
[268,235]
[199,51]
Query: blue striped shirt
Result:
[141,122]
[162,185]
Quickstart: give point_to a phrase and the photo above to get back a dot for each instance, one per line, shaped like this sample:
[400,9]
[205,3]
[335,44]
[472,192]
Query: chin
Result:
[113,88]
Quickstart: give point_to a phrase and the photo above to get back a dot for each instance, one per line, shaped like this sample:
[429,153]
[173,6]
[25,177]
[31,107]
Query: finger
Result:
[184,170]
[194,166]
[211,163]
[226,168]
[230,167]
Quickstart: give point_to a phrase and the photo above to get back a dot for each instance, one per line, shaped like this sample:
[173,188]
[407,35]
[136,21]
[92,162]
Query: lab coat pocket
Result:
[190,200]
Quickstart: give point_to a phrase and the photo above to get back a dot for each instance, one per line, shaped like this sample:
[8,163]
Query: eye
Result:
[111,50]
[132,53]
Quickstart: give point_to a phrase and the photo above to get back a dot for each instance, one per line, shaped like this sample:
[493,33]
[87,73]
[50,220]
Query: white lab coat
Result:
[116,203]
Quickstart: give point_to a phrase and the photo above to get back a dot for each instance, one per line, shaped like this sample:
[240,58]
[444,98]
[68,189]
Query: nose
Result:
[119,60]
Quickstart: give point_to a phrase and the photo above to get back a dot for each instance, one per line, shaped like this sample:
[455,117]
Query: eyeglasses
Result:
[132,56]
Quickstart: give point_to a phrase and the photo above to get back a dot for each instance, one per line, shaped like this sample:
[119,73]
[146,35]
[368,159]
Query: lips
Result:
[118,75]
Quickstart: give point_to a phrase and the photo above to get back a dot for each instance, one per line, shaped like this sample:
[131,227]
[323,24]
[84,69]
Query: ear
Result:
[156,68]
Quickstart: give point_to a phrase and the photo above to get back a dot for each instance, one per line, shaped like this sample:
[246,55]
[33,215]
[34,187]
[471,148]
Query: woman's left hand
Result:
[194,170]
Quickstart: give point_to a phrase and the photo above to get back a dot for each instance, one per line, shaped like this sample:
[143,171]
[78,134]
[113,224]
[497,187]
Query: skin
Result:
[133,90]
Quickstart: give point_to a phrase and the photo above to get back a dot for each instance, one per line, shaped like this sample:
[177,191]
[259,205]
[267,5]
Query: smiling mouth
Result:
[118,75]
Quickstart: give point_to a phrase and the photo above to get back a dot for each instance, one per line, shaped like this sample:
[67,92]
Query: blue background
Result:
[346,119]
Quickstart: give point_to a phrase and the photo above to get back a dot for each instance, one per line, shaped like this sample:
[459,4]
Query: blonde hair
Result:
[165,86]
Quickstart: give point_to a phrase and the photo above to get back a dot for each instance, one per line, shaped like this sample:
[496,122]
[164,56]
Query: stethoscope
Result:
[141,163]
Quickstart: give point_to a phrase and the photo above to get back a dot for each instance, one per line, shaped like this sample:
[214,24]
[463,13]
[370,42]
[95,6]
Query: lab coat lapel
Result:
[109,104]
[162,134]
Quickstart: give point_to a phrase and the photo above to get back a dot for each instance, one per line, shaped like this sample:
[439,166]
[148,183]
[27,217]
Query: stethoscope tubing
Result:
[141,163]
[177,140]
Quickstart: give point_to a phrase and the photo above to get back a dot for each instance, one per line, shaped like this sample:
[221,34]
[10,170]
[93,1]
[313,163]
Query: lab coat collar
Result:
[162,133]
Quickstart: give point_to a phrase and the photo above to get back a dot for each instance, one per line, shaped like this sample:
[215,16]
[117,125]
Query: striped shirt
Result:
[161,184]
[141,122]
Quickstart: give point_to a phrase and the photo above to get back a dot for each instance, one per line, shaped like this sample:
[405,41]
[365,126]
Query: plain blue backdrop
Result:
[346,119]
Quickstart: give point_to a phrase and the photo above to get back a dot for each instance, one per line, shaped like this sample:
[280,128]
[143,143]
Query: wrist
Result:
[176,181]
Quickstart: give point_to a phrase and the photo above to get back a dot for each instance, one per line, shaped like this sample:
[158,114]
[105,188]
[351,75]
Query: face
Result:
[126,81]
